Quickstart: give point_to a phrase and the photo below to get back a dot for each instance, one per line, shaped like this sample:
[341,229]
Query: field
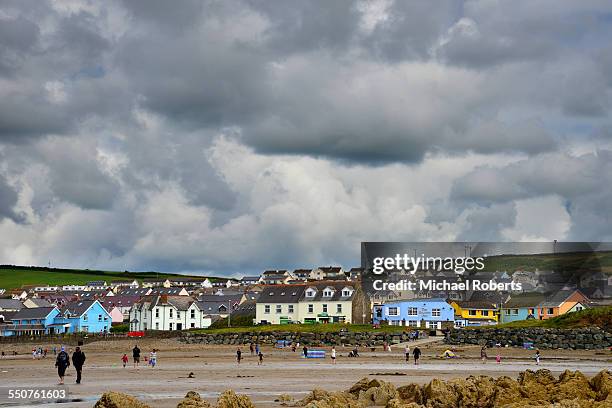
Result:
[570,262]
[13,277]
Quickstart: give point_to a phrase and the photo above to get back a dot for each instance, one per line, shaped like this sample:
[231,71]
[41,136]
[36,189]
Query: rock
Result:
[572,385]
[193,400]
[397,403]
[508,391]
[601,384]
[114,399]
[378,395]
[363,385]
[475,391]
[323,399]
[410,393]
[536,386]
[440,394]
[229,399]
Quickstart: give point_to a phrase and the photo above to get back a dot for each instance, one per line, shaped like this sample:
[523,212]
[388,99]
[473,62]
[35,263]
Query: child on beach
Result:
[407,353]
[238,355]
[260,361]
[498,358]
[124,359]
[333,355]
[537,357]
[153,358]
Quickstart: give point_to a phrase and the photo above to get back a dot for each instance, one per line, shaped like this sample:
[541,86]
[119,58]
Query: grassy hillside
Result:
[12,277]
[567,262]
[600,316]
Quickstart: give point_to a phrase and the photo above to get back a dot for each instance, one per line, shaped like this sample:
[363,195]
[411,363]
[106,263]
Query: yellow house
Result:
[474,313]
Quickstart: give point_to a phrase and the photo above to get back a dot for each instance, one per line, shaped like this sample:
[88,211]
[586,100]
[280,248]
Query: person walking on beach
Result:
[260,360]
[257,348]
[62,362]
[537,357]
[416,353]
[333,354]
[136,355]
[124,360]
[252,349]
[483,354]
[238,355]
[305,350]
[78,359]
[153,358]
[407,353]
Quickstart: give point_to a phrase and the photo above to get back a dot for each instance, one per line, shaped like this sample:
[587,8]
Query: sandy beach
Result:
[215,369]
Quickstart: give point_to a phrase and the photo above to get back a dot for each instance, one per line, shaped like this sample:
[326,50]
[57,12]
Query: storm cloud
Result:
[230,136]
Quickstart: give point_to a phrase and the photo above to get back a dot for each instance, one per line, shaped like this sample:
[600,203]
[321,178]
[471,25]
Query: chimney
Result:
[164,299]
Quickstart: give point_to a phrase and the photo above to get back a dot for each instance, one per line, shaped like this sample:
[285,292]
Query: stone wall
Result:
[312,339]
[587,338]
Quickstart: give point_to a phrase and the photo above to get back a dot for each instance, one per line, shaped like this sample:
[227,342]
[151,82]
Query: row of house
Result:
[286,277]
[87,316]
[442,312]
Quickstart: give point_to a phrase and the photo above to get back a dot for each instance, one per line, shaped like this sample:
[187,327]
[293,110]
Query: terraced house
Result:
[317,302]
[474,313]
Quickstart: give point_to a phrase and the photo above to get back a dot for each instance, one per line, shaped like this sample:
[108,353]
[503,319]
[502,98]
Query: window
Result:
[99,318]
[157,326]
[394,323]
[193,325]
[84,318]
[192,314]
[310,308]
[290,308]
[412,323]
[171,314]
[279,309]
[412,311]
[310,292]
[550,311]
[392,311]
[435,312]
[328,292]
[578,308]
[515,311]
[171,326]
[324,308]
[346,292]
[267,309]
[178,314]
[339,308]
[471,312]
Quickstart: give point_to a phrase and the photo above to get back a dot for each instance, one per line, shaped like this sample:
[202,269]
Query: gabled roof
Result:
[281,294]
[11,304]
[33,313]
[167,291]
[557,298]
[474,304]
[77,308]
[40,302]
[337,286]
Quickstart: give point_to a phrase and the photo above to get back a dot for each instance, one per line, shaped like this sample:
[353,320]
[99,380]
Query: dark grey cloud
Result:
[8,200]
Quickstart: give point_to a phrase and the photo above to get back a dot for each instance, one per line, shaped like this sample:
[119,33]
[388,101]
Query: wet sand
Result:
[283,372]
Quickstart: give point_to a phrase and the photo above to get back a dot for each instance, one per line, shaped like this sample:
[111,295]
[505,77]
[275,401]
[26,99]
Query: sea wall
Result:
[587,338]
[315,339]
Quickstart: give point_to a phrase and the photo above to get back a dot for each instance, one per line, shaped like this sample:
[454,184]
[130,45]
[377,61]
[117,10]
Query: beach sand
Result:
[283,372]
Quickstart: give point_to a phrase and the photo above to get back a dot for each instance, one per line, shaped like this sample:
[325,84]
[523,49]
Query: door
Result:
[179,326]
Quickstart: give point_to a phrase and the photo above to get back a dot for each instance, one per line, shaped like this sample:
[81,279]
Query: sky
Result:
[234,136]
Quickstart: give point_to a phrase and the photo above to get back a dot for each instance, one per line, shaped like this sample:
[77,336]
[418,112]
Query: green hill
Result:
[598,316]
[13,277]
[569,262]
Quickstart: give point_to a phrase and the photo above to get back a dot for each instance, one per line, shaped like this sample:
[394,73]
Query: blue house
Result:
[35,321]
[521,307]
[87,316]
[430,313]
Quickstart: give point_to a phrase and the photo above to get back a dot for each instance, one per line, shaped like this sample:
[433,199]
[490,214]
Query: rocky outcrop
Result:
[229,399]
[114,399]
[193,400]
[532,389]
[587,338]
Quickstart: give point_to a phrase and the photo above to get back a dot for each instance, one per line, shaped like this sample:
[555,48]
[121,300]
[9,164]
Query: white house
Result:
[46,288]
[74,288]
[167,313]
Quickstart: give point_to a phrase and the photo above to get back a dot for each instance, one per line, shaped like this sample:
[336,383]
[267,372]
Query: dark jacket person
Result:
[62,362]
[78,359]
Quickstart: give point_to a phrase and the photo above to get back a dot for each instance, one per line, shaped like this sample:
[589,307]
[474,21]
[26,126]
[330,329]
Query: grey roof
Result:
[166,291]
[134,292]
[337,291]
[6,316]
[77,308]
[556,298]
[33,313]
[40,302]
[11,304]
[213,307]
[250,278]
[234,298]
[281,294]
[524,300]
[96,283]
